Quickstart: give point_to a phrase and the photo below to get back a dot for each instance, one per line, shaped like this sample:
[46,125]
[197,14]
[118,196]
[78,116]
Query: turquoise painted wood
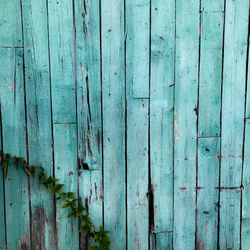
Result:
[210,73]
[114,128]
[161,118]
[185,122]
[39,128]
[137,89]
[245,233]
[233,102]
[207,192]
[13,123]
[89,113]
[139,107]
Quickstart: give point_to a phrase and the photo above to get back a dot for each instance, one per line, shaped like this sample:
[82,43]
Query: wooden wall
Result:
[141,107]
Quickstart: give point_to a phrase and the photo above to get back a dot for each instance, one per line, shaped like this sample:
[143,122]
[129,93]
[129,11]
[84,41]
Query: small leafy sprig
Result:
[52,185]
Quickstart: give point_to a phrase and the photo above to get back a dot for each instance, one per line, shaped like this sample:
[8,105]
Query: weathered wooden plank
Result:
[61,39]
[229,219]
[245,232]
[112,18]
[212,5]
[163,240]
[210,74]
[14,142]
[37,78]
[2,196]
[233,101]
[87,23]
[137,86]
[10,24]
[187,46]
[91,193]
[137,172]
[65,145]
[161,112]
[248,91]
[208,193]
[137,32]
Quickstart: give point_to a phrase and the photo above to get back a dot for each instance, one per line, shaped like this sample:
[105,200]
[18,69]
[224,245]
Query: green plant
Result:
[69,199]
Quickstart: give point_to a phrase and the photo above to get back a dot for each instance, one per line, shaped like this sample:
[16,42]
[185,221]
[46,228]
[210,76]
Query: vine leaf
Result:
[71,203]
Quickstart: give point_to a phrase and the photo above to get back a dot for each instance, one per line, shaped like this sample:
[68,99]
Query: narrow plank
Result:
[161,240]
[112,19]
[91,195]
[137,86]
[137,172]
[161,113]
[137,28]
[210,74]
[87,25]
[187,44]
[65,145]
[212,5]
[10,24]
[37,77]
[248,91]
[2,196]
[208,193]
[236,32]
[230,219]
[245,232]
[61,39]
[13,122]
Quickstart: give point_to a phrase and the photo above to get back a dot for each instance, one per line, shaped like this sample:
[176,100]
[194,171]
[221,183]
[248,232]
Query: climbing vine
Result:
[52,185]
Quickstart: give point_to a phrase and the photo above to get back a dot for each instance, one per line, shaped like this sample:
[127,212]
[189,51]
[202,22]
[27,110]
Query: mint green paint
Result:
[119,95]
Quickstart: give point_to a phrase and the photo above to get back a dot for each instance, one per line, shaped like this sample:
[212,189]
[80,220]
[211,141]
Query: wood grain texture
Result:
[14,142]
[212,5]
[89,113]
[10,24]
[61,40]
[37,76]
[112,14]
[161,112]
[233,101]
[187,47]
[163,240]
[210,74]
[140,107]
[137,86]
[137,37]
[208,192]
[245,233]
[2,196]
[65,145]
